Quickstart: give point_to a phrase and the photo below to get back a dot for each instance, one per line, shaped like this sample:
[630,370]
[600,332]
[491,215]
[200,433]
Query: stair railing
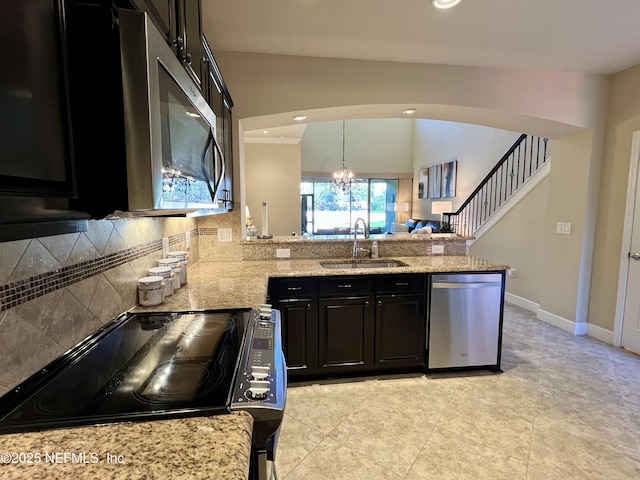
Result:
[522,160]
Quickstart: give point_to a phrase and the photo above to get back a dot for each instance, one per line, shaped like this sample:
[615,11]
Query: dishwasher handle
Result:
[466,285]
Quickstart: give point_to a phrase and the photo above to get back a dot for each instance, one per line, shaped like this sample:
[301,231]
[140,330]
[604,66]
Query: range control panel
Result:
[261,378]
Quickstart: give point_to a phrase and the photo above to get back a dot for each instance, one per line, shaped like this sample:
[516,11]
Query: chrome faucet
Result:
[357,250]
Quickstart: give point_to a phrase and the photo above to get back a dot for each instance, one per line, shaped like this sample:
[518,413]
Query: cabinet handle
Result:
[402,284]
[308,306]
[293,289]
[366,304]
[187,58]
[344,286]
[379,302]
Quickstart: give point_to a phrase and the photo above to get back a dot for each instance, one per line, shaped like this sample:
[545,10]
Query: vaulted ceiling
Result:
[585,36]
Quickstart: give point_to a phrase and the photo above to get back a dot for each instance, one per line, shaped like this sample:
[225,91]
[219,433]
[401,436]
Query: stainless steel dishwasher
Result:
[465,321]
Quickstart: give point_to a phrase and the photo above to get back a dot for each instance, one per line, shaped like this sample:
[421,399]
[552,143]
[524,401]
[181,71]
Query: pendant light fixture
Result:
[343,177]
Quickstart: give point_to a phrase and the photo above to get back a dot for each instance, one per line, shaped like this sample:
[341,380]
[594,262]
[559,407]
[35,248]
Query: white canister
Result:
[167,274]
[184,262]
[179,254]
[175,266]
[151,290]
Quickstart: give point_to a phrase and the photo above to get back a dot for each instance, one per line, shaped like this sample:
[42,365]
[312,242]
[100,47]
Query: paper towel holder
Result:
[265,223]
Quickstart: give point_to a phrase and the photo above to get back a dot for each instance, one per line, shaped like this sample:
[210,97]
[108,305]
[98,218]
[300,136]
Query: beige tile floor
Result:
[566,407]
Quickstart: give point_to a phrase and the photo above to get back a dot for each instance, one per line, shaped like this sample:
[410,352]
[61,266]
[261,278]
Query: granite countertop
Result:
[190,448]
[243,283]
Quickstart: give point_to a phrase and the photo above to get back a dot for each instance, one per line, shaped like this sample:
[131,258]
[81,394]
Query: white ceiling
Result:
[587,36]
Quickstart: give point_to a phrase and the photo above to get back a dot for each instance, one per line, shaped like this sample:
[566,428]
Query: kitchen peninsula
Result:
[244,283]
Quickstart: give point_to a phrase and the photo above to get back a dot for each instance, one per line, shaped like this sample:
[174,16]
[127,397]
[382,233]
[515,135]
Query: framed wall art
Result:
[423,183]
[449,177]
[435,180]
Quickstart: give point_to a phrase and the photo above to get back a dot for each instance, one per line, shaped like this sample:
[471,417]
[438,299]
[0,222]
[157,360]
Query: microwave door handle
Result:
[220,175]
[203,159]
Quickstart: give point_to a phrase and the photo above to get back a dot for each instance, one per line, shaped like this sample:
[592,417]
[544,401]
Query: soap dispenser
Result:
[374,249]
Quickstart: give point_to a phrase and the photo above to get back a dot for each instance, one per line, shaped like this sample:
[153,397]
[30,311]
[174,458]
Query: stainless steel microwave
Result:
[174,161]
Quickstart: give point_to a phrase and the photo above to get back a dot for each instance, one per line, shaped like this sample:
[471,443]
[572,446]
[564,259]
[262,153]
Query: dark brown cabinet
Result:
[37,170]
[345,324]
[179,21]
[296,298]
[218,97]
[345,343]
[352,324]
[400,335]
[400,330]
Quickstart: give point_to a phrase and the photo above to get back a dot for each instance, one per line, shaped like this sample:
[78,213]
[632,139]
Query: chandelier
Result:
[343,177]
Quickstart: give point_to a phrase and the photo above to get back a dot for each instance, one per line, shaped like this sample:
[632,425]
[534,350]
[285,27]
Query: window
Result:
[327,210]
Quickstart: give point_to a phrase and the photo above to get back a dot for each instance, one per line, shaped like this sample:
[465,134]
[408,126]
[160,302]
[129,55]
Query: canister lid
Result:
[151,280]
[168,262]
[177,253]
[159,271]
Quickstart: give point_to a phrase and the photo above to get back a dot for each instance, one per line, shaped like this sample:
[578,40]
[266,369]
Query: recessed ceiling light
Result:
[299,118]
[409,111]
[265,131]
[445,3]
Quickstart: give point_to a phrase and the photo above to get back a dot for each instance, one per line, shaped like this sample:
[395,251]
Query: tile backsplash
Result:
[55,291]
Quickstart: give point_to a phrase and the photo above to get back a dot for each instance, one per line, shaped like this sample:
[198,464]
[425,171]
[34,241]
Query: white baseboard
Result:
[521,302]
[600,333]
[562,323]
[570,326]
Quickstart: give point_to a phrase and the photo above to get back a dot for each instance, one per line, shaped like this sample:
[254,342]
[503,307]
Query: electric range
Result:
[151,366]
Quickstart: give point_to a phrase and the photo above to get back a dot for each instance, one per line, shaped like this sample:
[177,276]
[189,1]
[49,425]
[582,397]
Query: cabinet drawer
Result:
[401,283]
[343,286]
[297,288]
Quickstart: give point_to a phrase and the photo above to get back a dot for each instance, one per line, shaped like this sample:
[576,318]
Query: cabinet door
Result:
[346,334]
[299,336]
[190,38]
[217,96]
[163,14]
[37,170]
[400,330]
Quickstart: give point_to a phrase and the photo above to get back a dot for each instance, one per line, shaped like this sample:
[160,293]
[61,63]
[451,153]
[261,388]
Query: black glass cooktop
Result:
[139,367]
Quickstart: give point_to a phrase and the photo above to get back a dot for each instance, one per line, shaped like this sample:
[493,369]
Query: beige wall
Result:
[273,176]
[556,105]
[622,120]
[375,146]
[568,190]
[476,148]
[518,240]
[546,103]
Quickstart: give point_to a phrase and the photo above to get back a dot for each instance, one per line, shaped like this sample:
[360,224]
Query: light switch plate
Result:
[437,249]
[563,227]
[225,235]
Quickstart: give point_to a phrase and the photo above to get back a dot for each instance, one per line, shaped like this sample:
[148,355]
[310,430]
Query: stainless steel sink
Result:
[351,264]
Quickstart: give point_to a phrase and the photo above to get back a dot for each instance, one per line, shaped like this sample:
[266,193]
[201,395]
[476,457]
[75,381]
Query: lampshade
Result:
[441,207]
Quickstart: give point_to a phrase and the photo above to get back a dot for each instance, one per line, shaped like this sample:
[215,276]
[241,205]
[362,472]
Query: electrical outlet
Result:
[435,249]
[283,253]
[225,234]
[512,272]
[563,227]
[187,239]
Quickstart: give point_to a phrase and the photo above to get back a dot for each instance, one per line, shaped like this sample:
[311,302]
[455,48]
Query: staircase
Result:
[524,158]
